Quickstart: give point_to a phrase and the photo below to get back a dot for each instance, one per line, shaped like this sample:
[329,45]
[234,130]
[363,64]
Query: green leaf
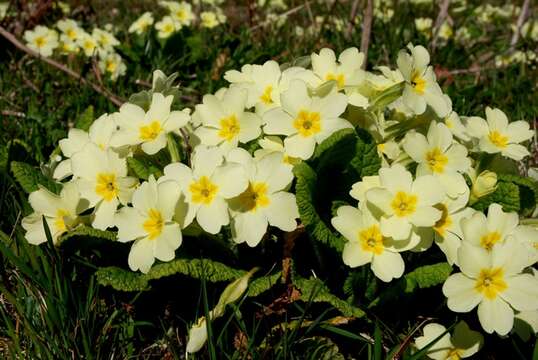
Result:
[335,147]
[366,161]
[427,276]
[314,290]
[304,194]
[85,120]
[29,178]
[126,280]
[513,193]
[87,231]
[262,284]
[143,168]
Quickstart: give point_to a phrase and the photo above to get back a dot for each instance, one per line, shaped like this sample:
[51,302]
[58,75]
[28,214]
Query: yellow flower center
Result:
[110,66]
[181,14]
[89,45]
[40,41]
[229,127]
[487,241]
[371,240]
[339,78]
[168,28]
[498,139]
[151,131]
[404,204]
[59,222]
[106,186]
[490,282]
[266,96]
[72,34]
[436,160]
[418,82]
[254,197]
[449,124]
[203,191]
[444,222]
[454,354]
[307,123]
[154,224]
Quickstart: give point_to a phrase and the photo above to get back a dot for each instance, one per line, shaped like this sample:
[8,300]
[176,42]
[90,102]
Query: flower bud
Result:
[485,183]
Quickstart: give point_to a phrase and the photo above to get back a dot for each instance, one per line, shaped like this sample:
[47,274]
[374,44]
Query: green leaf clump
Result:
[29,178]
[314,290]
[427,276]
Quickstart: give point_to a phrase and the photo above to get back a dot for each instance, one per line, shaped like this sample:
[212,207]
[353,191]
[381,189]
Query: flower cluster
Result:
[179,15]
[70,38]
[242,142]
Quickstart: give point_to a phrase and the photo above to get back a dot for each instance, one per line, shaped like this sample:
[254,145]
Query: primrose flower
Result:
[42,39]
[405,203]
[438,154]
[274,144]
[496,135]
[149,224]
[493,281]
[166,27]
[463,343]
[99,133]
[209,19]
[148,129]
[180,11]
[68,46]
[495,229]
[113,65]
[225,122]
[454,123]
[346,71]
[105,40]
[265,83]
[305,120]
[88,44]
[421,87]
[142,24]
[70,29]
[264,202]
[60,212]
[206,187]
[482,184]
[424,25]
[101,176]
[366,243]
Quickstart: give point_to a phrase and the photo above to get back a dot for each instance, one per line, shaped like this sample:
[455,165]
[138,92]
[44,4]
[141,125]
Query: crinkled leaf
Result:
[126,280]
[87,231]
[427,276]
[143,168]
[314,290]
[85,120]
[29,178]
[304,193]
[262,284]
[366,161]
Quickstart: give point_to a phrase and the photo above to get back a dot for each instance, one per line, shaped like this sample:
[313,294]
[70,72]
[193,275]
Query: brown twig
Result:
[101,90]
[13,113]
[443,13]
[366,30]
[520,21]
[143,83]
[289,12]
[352,16]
